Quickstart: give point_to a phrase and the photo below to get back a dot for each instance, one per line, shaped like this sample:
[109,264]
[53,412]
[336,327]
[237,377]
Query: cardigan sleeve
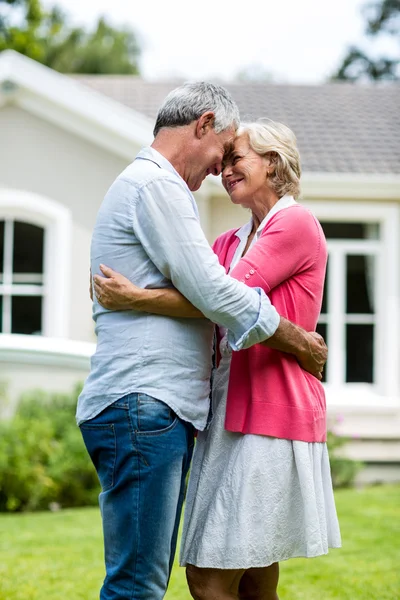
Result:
[289,244]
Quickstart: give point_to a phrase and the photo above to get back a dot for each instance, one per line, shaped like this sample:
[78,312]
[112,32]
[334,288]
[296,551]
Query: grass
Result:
[54,556]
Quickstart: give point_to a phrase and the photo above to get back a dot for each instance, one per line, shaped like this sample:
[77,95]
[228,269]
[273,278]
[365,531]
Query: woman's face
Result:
[244,173]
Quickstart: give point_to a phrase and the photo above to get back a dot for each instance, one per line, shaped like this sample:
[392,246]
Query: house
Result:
[65,138]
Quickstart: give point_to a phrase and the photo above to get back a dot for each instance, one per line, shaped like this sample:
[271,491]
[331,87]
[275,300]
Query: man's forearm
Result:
[288,338]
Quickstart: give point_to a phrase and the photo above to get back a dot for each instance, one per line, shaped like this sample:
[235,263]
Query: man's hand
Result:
[308,347]
[315,358]
[114,291]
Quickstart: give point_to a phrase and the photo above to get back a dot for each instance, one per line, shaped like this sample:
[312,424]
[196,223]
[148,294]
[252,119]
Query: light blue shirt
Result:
[148,229]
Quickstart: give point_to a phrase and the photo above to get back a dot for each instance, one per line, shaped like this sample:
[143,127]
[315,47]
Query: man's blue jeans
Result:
[141,451]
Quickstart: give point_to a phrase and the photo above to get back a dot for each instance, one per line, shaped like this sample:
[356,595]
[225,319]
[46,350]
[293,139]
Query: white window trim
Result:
[8,289]
[57,222]
[388,297]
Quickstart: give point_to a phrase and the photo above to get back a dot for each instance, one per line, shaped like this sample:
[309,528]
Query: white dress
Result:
[253,500]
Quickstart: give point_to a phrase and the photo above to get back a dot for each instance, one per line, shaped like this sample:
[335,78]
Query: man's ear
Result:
[205,123]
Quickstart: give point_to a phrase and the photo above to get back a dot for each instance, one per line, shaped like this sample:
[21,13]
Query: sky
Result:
[294,41]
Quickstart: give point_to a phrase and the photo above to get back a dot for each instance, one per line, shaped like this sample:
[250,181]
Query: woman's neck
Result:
[260,210]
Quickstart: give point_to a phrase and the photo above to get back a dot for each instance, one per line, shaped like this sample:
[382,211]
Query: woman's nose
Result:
[226,171]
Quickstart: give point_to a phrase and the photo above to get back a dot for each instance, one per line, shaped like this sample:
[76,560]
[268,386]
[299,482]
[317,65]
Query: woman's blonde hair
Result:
[266,136]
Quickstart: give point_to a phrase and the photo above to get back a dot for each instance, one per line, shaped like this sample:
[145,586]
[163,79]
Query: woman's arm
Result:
[116,292]
[290,244]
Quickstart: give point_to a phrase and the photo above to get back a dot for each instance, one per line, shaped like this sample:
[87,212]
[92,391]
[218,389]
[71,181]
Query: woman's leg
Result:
[260,584]
[213,584]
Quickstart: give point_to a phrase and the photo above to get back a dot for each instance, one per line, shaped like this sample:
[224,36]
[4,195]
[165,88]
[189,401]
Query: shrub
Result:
[43,460]
[343,469]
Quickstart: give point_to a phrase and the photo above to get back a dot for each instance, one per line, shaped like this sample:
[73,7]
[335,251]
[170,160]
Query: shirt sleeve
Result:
[290,243]
[165,223]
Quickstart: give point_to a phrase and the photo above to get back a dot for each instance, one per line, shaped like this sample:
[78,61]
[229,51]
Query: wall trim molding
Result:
[38,350]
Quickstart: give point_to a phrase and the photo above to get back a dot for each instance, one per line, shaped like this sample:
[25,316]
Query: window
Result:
[35,256]
[349,313]
[21,277]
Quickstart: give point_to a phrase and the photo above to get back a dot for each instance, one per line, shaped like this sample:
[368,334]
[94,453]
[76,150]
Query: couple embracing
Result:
[169,311]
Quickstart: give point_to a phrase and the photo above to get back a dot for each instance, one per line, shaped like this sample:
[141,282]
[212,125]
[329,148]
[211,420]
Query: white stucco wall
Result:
[47,160]
[41,158]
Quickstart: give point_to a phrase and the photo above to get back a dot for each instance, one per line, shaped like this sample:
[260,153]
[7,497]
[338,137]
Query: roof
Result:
[340,127]
[77,108]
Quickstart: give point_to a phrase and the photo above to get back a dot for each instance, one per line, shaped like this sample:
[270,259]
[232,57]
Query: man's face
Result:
[209,155]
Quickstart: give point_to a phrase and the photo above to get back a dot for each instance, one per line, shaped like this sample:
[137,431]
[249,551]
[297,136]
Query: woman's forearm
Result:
[116,292]
[165,301]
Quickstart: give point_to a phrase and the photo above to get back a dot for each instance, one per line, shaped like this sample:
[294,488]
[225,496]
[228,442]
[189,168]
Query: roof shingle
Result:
[340,127]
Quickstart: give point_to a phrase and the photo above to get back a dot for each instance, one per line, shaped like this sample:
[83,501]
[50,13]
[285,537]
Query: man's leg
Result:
[141,451]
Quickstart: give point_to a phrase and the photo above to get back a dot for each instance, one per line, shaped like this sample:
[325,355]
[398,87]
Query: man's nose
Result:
[216,169]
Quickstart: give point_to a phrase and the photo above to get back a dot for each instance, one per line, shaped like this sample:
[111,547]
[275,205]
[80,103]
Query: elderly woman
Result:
[260,488]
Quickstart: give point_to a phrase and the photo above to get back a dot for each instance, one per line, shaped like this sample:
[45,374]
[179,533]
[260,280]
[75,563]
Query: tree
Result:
[382,19]
[49,38]
[254,73]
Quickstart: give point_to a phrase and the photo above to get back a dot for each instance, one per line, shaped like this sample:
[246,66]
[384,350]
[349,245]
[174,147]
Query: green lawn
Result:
[58,556]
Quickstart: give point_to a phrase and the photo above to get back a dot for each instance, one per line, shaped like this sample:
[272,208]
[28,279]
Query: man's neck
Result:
[171,143]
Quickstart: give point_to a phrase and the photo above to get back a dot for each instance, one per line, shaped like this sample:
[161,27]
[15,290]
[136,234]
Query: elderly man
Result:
[148,389]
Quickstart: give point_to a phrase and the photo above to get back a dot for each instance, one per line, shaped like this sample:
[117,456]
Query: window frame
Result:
[387,248]
[337,318]
[8,287]
[56,221]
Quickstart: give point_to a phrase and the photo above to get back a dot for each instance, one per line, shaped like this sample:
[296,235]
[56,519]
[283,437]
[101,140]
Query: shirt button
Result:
[247,276]
[251,271]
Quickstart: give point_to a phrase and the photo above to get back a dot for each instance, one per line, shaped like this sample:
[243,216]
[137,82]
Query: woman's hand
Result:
[116,292]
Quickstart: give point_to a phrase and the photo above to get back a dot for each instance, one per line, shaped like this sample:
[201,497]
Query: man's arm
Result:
[308,347]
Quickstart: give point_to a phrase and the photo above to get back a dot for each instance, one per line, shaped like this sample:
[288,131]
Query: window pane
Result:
[324,307]
[2,224]
[359,353]
[322,329]
[26,314]
[28,248]
[351,231]
[360,284]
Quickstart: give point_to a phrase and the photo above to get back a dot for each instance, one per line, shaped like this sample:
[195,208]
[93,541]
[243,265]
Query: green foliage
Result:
[43,460]
[382,18]
[49,38]
[343,469]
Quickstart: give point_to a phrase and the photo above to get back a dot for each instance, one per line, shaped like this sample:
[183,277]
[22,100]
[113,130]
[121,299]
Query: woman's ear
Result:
[271,160]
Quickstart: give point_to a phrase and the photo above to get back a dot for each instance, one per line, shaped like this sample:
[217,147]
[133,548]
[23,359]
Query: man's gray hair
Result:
[189,101]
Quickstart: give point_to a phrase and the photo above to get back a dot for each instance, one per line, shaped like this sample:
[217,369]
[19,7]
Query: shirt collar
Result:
[154,156]
[283,202]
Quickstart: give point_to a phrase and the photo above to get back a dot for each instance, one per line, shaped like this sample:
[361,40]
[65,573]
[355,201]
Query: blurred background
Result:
[80,86]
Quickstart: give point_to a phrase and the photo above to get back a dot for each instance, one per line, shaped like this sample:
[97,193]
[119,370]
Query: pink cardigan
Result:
[269,393]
